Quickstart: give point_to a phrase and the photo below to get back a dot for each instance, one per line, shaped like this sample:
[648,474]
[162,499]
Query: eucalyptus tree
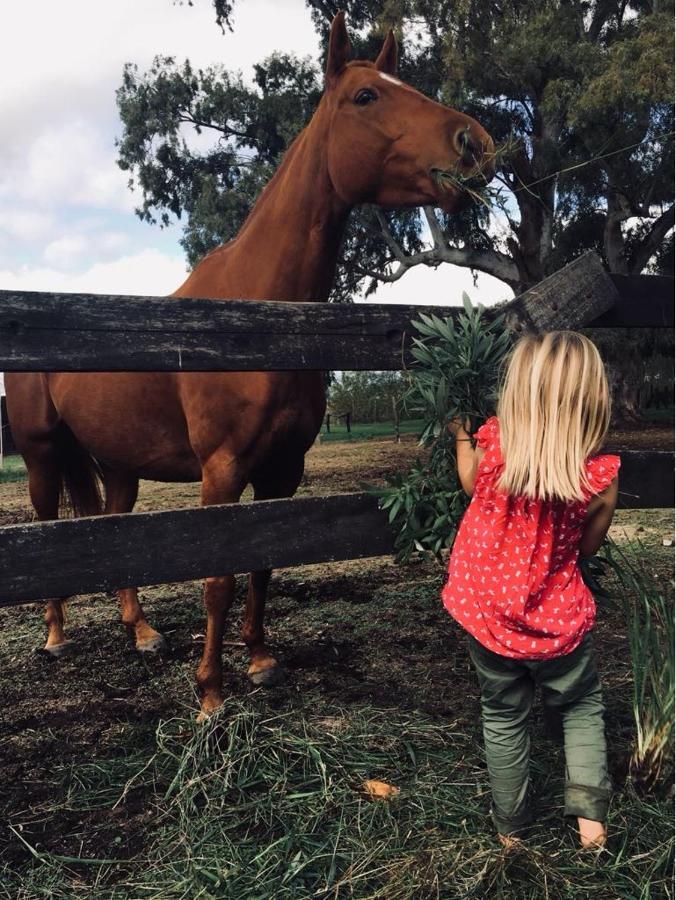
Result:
[578,94]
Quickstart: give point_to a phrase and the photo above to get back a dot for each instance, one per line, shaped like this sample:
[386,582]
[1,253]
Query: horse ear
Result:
[387,58]
[339,48]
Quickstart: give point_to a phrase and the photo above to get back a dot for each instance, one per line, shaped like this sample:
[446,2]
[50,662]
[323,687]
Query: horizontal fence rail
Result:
[74,556]
[105,552]
[95,332]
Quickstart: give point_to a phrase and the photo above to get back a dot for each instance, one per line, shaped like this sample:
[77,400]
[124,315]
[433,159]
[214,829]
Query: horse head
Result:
[390,145]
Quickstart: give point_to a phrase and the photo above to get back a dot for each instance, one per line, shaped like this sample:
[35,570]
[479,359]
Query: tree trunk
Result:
[613,240]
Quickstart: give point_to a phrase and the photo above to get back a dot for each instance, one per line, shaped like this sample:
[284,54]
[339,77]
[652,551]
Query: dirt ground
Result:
[354,633]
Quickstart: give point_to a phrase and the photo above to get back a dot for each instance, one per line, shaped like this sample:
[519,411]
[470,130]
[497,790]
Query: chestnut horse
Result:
[372,139]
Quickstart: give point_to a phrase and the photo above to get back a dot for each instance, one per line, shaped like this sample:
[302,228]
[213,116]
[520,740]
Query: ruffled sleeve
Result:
[487,434]
[488,439]
[601,470]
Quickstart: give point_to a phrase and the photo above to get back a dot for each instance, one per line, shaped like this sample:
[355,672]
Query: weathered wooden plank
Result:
[72,556]
[572,297]
[87,332]
[100,553]
[97,332]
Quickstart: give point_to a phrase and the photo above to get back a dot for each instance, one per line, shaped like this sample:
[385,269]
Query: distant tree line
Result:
[367,396]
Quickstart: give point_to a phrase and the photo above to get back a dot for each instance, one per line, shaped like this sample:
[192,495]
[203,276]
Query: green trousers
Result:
[570,685]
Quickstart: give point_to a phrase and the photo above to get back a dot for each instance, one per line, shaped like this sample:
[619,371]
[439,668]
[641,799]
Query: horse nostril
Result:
[467,146]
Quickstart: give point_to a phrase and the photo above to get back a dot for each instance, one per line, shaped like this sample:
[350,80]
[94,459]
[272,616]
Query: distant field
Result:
[13,469]
[364,431]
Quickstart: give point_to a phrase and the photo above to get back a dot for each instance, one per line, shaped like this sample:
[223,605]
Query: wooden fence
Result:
[75,332]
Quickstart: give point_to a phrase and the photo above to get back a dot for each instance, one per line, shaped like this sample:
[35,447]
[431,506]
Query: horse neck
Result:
[288,247]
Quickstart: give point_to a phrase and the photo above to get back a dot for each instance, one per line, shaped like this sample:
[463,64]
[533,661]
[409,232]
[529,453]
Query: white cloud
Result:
[25,224]
[71,164]
[65,251]
[75,248]
[149,272]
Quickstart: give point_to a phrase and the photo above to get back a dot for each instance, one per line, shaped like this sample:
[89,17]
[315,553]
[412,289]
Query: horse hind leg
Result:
[121,493]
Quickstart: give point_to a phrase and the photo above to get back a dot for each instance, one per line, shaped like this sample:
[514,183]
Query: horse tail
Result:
[81,478]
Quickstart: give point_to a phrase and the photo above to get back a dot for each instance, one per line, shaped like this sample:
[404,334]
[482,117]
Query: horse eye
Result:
[365,96]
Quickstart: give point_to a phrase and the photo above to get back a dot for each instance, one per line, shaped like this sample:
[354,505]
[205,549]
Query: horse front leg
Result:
[222,482]
[276,483]
[264,668]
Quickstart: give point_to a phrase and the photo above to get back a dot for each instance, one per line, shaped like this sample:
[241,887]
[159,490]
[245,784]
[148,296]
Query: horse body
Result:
[233,428]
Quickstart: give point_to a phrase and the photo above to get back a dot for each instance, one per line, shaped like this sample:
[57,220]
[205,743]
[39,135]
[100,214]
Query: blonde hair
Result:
[554,412]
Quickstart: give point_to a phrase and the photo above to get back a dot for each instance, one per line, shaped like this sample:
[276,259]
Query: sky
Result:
[67,220]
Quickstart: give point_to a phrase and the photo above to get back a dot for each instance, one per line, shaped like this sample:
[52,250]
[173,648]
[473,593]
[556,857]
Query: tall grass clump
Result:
[649,614]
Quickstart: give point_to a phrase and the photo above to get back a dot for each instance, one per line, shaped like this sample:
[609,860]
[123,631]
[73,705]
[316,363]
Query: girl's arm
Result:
[468,456]
[599,517]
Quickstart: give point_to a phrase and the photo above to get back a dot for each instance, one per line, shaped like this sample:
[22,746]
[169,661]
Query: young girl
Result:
[540,499]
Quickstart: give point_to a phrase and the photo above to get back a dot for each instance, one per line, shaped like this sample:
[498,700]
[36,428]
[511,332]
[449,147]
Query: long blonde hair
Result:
[554,412]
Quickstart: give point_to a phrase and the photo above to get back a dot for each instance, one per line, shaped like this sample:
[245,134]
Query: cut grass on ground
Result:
[112,791]
[258,804]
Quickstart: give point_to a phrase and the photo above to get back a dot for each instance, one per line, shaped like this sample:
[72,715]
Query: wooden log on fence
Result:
[96,332]
[574,296]
[53,559]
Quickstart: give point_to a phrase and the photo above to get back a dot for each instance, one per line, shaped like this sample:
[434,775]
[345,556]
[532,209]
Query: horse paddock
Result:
[112,790]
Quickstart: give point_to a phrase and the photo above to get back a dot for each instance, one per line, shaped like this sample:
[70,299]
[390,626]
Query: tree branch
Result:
[491,262]
[650,244]
[389,237]
[224,129]
[436,230]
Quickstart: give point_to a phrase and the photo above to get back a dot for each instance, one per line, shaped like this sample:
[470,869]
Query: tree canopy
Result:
[577,92]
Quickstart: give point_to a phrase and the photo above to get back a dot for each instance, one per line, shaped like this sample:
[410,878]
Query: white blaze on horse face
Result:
[393,80]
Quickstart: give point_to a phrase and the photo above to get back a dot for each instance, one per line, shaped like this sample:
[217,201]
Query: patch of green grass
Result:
[363,431]
[13,469]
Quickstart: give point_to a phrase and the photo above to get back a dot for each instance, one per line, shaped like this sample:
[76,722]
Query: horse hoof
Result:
[59,651]
[155,644]
[267,677]
[209,708]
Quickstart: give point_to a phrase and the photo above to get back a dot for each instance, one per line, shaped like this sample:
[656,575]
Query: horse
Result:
[92,436]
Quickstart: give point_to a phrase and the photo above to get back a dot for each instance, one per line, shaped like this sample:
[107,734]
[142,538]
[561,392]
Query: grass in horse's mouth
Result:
[476,183]
[467,183]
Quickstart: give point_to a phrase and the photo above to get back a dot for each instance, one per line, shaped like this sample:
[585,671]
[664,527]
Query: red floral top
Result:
[513,576]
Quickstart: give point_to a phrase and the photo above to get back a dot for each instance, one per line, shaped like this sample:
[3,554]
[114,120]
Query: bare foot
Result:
[592,834]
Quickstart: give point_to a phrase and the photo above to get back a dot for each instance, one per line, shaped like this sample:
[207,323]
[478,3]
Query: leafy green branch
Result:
[455,374]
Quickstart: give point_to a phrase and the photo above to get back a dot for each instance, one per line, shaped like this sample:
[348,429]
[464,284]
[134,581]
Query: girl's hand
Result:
[459,428]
